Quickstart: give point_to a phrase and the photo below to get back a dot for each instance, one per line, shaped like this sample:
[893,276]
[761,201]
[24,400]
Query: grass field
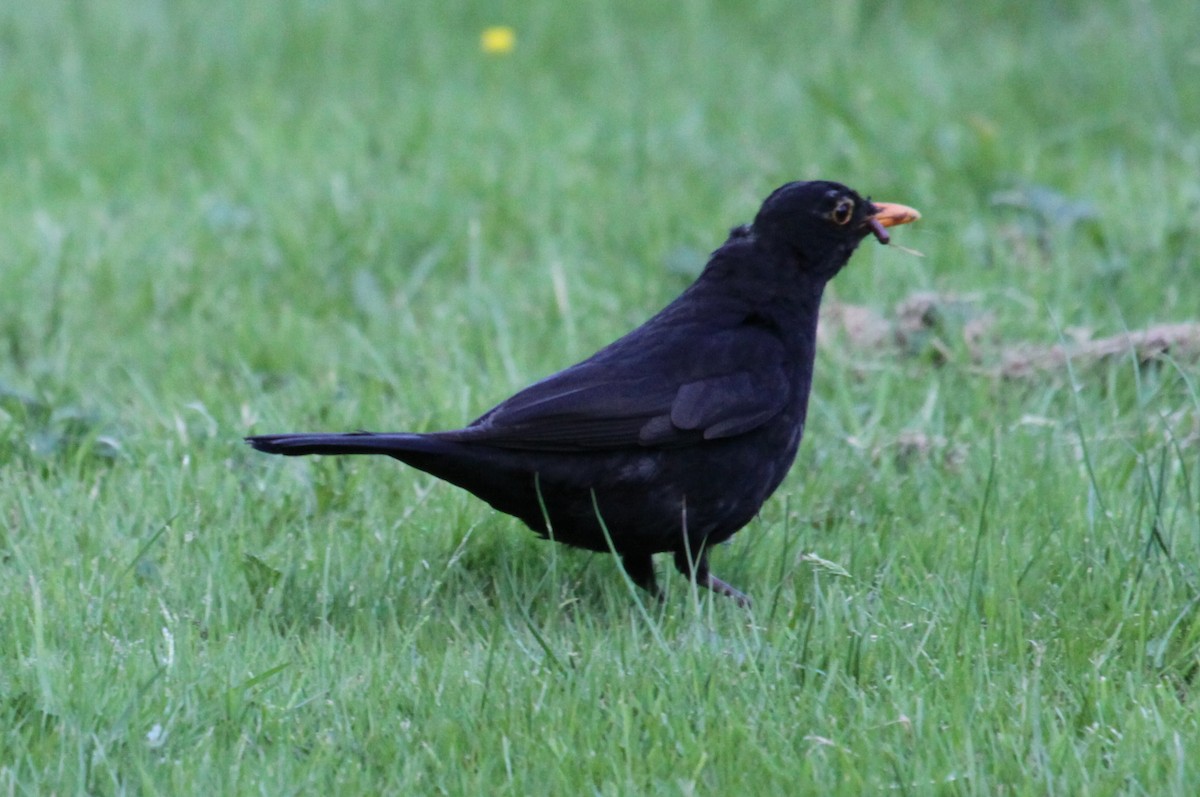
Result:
[222,218]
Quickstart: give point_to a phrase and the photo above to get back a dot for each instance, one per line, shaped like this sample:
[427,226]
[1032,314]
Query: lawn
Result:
[981,577]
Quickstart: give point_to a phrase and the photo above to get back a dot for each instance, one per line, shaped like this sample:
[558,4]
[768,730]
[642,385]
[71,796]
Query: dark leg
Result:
[695,567]
[640,568]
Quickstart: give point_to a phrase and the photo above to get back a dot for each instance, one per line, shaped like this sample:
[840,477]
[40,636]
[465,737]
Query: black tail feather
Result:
[294,445]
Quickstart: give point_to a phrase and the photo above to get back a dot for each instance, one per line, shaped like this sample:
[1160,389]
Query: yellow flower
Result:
[498,40]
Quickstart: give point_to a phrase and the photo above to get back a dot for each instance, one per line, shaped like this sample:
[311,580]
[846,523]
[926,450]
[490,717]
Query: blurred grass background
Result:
[220,218]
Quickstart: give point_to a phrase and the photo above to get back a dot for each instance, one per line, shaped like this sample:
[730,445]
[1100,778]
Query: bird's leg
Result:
[696,568]
[694,565]
[640,568]
[722,588]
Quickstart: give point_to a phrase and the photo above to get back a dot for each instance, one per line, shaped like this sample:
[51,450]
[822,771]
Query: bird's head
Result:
[823,222]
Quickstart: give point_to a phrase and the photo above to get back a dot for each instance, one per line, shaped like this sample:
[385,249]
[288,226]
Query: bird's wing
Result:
[682,387]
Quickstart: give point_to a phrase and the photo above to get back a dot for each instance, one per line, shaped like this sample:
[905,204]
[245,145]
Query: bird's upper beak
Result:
[889,214]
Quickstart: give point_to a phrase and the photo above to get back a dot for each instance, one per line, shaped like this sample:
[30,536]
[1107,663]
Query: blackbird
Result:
[670,439]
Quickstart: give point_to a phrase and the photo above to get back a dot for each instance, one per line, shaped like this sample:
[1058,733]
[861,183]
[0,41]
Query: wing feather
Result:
[706,386]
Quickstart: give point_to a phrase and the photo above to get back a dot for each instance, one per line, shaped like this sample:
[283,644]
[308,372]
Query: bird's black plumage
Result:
[670,439]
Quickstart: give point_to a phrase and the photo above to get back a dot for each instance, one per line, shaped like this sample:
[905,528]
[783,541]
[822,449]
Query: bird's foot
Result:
[697,570]
[718,586]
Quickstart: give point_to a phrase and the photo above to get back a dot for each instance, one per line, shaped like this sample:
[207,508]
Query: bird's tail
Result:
[294,445]
[490,473]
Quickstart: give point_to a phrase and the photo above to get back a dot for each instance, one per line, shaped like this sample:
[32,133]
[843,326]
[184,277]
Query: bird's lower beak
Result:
[889,214]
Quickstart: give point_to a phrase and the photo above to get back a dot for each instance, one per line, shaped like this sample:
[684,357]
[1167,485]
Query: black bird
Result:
[670,439]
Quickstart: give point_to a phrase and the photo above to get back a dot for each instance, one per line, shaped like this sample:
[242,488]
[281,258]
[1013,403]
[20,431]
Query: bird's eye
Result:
[842,211]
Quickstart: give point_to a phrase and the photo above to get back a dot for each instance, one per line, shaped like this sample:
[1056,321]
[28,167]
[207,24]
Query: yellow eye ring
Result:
[843,211]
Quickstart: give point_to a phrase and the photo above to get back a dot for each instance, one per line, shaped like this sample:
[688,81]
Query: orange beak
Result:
[889,214]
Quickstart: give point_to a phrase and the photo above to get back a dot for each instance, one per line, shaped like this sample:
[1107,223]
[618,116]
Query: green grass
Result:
[223,218]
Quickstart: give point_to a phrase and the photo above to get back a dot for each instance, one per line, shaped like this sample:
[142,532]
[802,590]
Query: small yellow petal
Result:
[498,40]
